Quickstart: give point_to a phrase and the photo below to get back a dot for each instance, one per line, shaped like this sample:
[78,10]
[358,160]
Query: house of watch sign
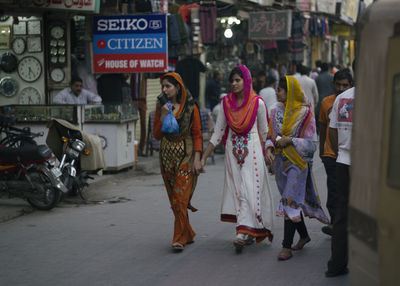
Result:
[130,43]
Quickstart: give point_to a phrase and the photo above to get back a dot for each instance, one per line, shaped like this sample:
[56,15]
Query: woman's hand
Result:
[197,167]
[164,112]
[269,159]
[284,142]
[269,156]
[203,163]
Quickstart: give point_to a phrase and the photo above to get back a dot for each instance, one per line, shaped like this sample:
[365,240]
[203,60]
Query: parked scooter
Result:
[73,177]
[27,170]
[71,146]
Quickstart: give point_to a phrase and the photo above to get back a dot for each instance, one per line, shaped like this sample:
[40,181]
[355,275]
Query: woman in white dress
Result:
[242,125]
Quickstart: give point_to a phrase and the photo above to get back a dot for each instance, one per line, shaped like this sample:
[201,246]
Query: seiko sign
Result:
[127,24]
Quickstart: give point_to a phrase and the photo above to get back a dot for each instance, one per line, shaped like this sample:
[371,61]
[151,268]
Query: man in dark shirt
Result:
[189,69]
[213,90]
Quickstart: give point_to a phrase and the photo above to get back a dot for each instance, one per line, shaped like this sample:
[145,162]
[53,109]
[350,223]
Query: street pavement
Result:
[123,237]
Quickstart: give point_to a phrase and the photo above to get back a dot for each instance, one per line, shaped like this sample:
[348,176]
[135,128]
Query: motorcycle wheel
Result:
[47,196]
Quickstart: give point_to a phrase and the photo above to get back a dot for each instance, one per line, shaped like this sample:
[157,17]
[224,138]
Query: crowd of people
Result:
[272,133]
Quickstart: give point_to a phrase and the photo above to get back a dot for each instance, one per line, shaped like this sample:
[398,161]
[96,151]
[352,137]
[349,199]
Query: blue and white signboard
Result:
[130,43]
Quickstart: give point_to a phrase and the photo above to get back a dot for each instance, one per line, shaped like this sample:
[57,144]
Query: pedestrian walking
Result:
[268,93]
[242,126]
[290,147]
[342,81]
[341,124]
[179,154]
[308,86]
[325,88]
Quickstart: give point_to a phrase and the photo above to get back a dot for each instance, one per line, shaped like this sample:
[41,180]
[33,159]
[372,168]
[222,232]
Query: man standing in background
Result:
[325,87]
[341,82]
[213,90]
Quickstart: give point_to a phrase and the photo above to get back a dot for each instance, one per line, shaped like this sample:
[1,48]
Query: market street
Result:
[126,239]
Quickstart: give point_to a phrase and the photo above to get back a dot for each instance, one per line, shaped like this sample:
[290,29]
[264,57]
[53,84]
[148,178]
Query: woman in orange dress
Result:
[179,154]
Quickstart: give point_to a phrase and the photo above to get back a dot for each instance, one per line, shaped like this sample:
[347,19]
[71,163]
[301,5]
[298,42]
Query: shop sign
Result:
[349,11]
[270,25]
[69,5]
[130,43]
[326,6]
[341,30]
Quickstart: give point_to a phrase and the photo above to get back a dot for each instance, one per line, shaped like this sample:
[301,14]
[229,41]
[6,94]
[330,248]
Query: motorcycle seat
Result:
[27,152]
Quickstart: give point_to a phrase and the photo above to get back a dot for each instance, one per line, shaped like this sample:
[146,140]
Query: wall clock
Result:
[57,32]
[57,75]
[29,95]
[34,44]
[18,46]
[20,28]
[34,27]
[29,69]
[8,62]
[8,86]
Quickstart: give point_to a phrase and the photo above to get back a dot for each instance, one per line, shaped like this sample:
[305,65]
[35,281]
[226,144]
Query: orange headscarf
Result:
[241,118]
[184,92]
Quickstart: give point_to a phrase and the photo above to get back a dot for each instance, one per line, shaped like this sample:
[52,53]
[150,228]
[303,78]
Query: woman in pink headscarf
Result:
[242,125]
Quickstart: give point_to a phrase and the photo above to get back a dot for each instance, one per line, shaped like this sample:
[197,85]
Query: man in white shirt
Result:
[308,85]
[268,93]
[341,123]
[76,94]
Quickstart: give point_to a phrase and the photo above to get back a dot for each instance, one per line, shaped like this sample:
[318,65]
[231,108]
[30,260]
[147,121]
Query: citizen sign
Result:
[127,24]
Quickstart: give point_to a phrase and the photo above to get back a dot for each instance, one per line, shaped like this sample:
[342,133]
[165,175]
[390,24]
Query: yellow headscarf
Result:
[297,117]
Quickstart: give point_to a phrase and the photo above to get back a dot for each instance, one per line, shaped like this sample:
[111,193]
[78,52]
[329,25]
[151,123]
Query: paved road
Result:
[125,240]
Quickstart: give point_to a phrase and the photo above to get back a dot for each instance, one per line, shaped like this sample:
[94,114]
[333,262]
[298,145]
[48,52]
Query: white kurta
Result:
[246,197]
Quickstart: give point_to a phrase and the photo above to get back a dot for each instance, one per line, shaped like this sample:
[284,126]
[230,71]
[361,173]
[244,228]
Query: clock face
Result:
[8,62]
[18,46]
[29,95]
[8,86]
[20,28]
[57,32]
[29,69]
[57,75]
[34,27]
[34,44]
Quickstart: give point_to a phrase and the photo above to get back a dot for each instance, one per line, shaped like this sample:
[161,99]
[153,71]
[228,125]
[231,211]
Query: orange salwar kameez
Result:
[176,161]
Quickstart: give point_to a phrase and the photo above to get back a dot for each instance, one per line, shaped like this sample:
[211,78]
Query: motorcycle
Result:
[69,144]
[27,170]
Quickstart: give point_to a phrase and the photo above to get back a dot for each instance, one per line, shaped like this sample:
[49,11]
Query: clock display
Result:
[57,75]
[34,44]
[57,32]
[18,46]
[29,69]
[8,86]
[34,27]
[29,95]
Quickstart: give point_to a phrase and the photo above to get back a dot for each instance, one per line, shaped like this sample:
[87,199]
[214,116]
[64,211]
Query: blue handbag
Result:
[169,124]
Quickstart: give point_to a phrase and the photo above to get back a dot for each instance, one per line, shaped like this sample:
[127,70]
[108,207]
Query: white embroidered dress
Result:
[246,197]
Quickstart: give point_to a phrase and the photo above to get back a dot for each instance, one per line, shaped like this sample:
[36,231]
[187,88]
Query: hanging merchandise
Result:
[296,45]
[208,16]
[195,24]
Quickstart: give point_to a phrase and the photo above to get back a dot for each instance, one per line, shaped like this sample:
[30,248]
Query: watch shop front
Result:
[42,43]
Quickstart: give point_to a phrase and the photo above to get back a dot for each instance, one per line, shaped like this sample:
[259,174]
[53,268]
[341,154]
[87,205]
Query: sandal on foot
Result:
[300,244]
[177,246]
[249,240]
[285,254]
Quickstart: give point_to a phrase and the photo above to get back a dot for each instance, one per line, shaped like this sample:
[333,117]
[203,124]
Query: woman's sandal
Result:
[285,254]
[177,246]
[300,244]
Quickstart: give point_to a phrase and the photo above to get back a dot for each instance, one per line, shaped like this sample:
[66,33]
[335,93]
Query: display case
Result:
[115,125]
[111,113]
[41,113]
